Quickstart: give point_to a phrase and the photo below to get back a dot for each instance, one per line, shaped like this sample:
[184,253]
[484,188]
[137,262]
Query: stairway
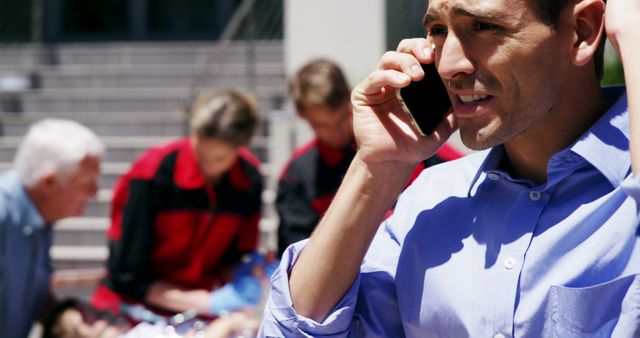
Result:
[131,95]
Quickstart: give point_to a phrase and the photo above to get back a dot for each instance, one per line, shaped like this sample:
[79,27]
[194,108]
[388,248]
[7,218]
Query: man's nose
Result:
[454,60]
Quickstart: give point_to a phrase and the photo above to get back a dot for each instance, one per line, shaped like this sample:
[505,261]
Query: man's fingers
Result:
[446,127]
[420,48]
[403,62]
[375,83]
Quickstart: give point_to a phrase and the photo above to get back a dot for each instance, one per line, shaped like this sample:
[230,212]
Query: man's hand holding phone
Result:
[383,129]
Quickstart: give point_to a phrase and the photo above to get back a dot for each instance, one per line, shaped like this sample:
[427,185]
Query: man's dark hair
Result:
[319,82]
[549,12]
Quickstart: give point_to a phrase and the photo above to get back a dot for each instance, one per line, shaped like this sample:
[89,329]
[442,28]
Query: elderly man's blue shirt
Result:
[25,267]
[472,252]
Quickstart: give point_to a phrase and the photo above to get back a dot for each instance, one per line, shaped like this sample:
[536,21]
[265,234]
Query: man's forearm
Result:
[171,297]
[331,260]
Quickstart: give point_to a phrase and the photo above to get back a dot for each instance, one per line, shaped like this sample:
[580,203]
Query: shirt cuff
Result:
[280,312]
[631,185]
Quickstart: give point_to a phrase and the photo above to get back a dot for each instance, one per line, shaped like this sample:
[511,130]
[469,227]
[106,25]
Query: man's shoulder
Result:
[148,163]
[10,185]
[10,190]
[300,159]
[304,151]
[444,180]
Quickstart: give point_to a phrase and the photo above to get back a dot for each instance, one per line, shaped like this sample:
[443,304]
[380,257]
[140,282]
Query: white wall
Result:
[352,33]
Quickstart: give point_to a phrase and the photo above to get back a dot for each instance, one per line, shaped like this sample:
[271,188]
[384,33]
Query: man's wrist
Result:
[387,172]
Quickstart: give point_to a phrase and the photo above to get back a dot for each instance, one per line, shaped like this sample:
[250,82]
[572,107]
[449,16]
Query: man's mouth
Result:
[471,98]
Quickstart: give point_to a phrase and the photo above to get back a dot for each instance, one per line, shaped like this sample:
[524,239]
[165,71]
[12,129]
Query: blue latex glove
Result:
[248,262]
[242,292]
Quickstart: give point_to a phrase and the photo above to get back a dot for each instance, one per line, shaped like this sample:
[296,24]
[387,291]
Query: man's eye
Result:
[484,26]
[437,30]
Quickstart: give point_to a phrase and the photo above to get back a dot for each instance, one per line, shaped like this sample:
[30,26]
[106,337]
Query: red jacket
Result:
[168,224]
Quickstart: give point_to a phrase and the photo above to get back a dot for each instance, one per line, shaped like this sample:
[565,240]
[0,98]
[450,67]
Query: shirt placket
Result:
[521,224]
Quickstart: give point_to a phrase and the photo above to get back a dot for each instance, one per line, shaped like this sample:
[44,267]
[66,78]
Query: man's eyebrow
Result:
[478,14]
[457,11]
[429,18]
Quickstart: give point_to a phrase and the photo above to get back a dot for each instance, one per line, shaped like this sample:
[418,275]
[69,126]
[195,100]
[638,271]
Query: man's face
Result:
[332,127]
[215,157]
[67,196]
[503,66]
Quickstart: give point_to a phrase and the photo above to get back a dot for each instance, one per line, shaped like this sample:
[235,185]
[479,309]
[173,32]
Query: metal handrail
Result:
[242,22]
[223,41]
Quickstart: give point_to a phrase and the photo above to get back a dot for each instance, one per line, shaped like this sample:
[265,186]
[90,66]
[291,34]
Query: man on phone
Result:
[537,235]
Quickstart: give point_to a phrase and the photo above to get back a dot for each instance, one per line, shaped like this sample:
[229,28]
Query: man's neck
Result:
[529,153]
[39,202]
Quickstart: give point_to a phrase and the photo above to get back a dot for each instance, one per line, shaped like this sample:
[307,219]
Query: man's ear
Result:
[589,30]
[47,182]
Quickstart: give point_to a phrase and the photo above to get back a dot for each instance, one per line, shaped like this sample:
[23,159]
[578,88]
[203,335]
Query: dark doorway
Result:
[138,20]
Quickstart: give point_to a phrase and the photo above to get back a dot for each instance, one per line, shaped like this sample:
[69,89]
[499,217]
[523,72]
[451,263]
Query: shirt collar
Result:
[605,145]
[24,205]
[333,156]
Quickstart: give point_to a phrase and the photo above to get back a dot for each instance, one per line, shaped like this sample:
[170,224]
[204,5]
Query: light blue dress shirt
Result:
[25,267]
[473,252]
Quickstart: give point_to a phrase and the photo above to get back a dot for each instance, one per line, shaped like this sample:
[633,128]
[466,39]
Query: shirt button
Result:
[509,263]
[493,177]
[499,335]
[27,231]
[534,195]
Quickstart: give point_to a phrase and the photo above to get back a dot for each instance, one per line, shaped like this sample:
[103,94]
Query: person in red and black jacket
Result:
[315,170]
[184,215]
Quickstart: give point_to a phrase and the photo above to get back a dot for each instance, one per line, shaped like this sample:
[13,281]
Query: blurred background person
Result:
[311,177]
[183,217]
[73,318]
[54,174]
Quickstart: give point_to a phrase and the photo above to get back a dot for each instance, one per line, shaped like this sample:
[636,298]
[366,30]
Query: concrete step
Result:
[231,68]
[125,148]
[78,257]
[141,53]
[123,99]
[150,125]
[109,172]
[165,124]
[88,116]
[81,231]
[157,80]
[161,77]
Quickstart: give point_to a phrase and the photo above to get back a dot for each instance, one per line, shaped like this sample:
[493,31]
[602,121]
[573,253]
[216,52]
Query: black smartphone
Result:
[425,101]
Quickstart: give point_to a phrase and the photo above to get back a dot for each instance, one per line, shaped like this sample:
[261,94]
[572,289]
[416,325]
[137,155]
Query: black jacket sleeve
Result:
[297,216]
[130,254]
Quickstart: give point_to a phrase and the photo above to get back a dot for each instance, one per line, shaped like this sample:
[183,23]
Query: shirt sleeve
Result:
[632,187]
[368,309]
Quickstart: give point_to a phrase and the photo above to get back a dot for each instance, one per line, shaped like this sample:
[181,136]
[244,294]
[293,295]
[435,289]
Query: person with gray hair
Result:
[54,174]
